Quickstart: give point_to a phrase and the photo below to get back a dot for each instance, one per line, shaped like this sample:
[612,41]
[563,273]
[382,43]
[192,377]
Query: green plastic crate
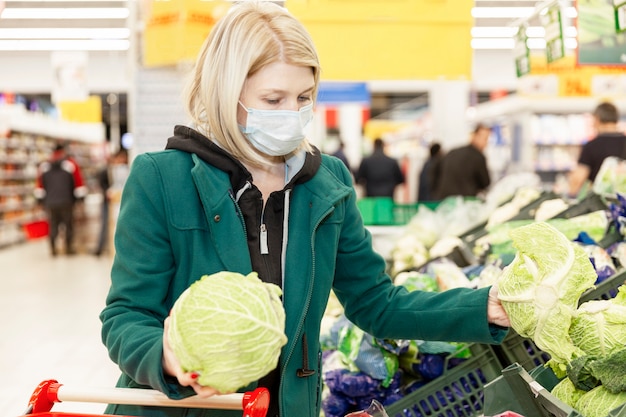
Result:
[517,349]
[528,394]
[376,210]
[516,390]
[383,211]
[457,393]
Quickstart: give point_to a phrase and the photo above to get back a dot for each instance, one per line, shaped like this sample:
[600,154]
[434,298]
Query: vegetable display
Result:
[540,289]
[229,328]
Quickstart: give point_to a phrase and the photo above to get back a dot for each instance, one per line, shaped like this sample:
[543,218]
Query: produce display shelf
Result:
[590,203]
[528,394]
[457,393]
[525,213]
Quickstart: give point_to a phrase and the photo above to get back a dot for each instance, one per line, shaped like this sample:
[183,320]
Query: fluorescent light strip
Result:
[509,43]
[64,45]
[509,31]
[512,12]
[64,33]
[65,13]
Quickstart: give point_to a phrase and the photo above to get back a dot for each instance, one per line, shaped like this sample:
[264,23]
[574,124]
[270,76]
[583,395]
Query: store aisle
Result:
[49,326]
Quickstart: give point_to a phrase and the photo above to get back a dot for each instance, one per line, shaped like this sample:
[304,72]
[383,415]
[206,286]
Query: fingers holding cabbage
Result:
[227,329]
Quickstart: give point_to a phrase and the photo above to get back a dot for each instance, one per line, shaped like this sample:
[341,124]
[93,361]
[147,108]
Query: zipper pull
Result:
[263,239]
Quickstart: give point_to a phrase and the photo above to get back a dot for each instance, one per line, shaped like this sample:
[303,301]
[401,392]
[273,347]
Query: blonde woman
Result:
[245,166]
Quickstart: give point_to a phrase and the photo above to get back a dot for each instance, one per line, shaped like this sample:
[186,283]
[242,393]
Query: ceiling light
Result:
[64,45]
[64,33]
[512,12]
[493,43]
[65,13]
[510,31]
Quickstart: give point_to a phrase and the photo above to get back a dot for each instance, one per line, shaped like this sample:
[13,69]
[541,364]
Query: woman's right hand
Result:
[172,367]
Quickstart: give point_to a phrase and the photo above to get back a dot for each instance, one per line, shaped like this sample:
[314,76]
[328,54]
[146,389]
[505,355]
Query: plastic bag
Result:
[375,410]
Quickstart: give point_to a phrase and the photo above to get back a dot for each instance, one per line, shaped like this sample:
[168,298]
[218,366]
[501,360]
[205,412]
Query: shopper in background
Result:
[379,173]
[464,170]
[111,177]
[430,174]
[610,141]
[58,187]
[240,192]
[341,154]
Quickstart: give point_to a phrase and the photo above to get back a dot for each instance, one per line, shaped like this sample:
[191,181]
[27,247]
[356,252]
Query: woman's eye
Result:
[304,99]
[272,101]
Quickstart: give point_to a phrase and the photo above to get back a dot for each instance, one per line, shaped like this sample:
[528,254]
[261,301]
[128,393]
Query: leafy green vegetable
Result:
[594,224]
[611,371]
[599,402]
[540,289]
[579,372]
[229,328]
[567,392]
[599,326]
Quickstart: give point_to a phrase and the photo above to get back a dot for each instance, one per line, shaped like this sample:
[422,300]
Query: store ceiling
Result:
[55,28]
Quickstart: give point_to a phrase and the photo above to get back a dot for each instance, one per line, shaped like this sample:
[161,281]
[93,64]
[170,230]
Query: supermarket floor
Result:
[49,327]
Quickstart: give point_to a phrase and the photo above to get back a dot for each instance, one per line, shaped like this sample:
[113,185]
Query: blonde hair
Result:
[249,37]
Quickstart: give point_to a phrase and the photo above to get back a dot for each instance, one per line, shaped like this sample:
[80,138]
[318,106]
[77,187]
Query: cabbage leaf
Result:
[599,326]
[229,328]
[540,289]
[599,402]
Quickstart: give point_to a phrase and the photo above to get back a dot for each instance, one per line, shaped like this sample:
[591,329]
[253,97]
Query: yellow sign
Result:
[389,39]
[573,80]
[176,29]
[87,111]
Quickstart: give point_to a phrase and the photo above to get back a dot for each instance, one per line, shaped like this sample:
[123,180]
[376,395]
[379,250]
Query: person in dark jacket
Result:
[379,173]
[430,174]
[610,141]
[243,191]
[464,170]
[58,187]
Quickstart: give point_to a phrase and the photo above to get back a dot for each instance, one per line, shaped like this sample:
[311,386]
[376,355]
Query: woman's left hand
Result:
[172,367]
[495,312]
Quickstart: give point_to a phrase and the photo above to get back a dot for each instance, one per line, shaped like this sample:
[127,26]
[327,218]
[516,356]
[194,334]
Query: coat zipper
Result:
[308,297]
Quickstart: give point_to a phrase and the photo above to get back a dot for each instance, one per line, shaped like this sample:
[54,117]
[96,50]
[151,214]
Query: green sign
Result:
[522,52]
[620,15]
[599,24]
[551,21]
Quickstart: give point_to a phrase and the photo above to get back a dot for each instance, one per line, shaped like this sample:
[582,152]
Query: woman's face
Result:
[277,86]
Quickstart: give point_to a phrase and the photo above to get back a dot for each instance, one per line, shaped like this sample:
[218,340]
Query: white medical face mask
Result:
[277,132]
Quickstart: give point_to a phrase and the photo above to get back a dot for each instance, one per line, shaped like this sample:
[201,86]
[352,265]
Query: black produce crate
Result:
[457,393]
[528,211]
[525,213]
[528,394]
[605,290]
[516,390]
[517,349]
[592,202]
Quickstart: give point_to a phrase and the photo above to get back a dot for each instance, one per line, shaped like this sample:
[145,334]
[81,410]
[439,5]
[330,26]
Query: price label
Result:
[552,23]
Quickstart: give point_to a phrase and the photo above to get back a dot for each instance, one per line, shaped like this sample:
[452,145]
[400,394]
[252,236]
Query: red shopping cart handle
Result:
[253,404]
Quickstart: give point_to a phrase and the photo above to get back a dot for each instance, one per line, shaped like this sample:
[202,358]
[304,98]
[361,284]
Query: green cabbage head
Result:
[229,328]
[599,402]
[599,326]
[540,289]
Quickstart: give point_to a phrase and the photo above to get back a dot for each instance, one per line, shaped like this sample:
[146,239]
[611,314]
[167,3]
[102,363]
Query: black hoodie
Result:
[250,201]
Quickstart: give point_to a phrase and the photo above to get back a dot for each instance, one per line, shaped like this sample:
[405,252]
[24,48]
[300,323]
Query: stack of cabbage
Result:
[229,328]
[541,290]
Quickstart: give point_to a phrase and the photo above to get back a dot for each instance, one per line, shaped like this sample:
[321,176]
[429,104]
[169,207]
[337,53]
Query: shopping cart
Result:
[254,403]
